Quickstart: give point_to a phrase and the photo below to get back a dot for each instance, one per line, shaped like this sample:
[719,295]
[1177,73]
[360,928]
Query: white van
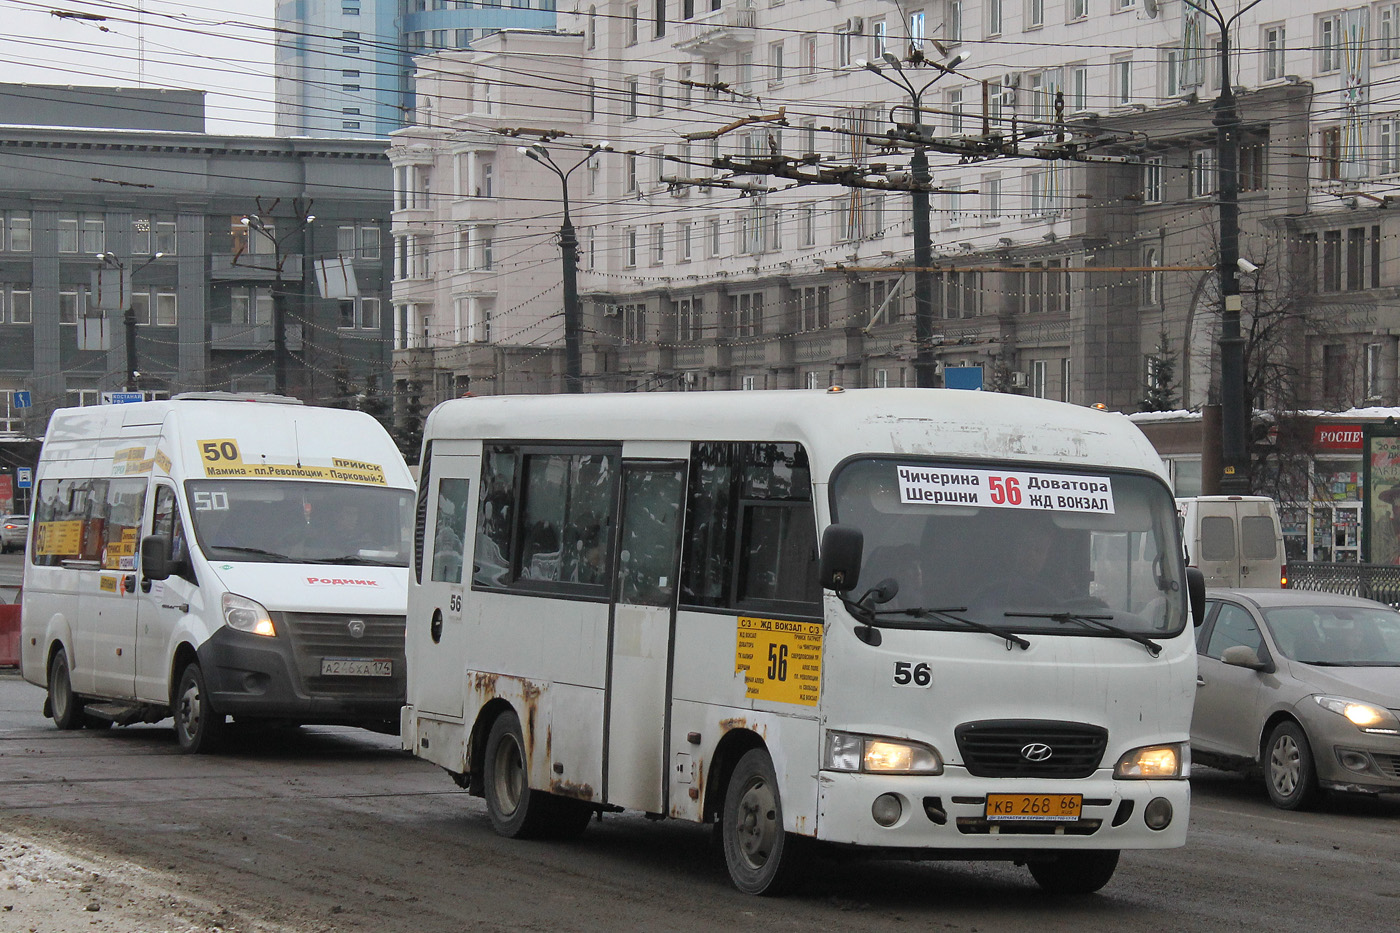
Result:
[1235,540]
[216,555]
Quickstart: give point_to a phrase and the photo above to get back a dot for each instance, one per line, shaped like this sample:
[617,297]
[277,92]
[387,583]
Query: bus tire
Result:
[761,856]
[65,706]
[516,811]
[1075,872]
[198,726]
[1289,772]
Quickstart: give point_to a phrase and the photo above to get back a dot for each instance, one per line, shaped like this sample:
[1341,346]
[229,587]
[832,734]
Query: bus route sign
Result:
[781,660]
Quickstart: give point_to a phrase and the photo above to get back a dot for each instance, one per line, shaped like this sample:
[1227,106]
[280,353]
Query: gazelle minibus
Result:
[214,555]
[927,623]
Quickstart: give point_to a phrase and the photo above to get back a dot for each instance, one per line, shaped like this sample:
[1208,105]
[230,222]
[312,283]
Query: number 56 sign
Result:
[781,660]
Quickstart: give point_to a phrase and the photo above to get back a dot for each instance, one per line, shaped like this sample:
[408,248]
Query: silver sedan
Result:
[1302,686]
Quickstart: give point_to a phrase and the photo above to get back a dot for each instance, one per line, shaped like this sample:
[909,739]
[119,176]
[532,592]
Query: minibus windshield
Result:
[291,521]
[1086,551]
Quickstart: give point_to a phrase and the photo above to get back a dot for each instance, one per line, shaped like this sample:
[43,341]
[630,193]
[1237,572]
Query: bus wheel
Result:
[762,858]
[516,811]
[1075,872]
[65,707]
[197,725]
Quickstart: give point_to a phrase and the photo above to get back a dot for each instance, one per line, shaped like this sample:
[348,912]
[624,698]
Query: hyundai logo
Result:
[1037,751]
[357,628]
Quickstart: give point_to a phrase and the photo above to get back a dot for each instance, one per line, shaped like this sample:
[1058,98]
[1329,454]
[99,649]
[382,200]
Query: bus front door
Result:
[641,634]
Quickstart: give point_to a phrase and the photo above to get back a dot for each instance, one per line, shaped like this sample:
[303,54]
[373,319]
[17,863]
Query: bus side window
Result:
[450,530]
[495,519]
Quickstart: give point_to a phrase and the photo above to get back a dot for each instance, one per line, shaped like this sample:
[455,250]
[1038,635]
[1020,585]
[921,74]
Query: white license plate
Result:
[356,667]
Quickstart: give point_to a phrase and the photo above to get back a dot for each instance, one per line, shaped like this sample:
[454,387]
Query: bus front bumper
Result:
[951,811]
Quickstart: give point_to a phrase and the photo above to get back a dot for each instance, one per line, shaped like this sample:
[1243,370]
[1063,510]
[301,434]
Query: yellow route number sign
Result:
[781,660]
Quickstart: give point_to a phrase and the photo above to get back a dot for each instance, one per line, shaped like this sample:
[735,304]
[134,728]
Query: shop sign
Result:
[1337,437]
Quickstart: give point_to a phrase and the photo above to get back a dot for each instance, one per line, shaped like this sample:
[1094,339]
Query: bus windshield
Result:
[1023,549]
[291,521]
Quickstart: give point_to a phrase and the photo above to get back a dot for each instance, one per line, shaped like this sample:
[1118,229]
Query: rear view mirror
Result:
[1196,591]
[155,557]
[841,554]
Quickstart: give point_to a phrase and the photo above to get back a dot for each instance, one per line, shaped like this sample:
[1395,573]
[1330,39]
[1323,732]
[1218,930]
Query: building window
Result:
[1077,10]
[634,322]
[994,23]
[775,63]
[689,313]
[1064,379]
[631,16]
[1170,82]
[1151,281]
[1274,52]
[17,236]
[1253,171]
[748,314]
[809,56]
[1329,42]
[1152,180]
[1330,153]
[631,88]
[714,237]
[1374,386]
[1122,71]
[1035,14]
[629,240]
[1388,32]
[658,243]
[1040,370]
[1332,261]
[814,308]
[1203,174]
[1333,371]
[21,307]
[685,233]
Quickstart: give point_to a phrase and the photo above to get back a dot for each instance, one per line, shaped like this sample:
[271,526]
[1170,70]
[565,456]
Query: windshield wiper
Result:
[1098,622]
[947,613]
[257,551]
[355,559]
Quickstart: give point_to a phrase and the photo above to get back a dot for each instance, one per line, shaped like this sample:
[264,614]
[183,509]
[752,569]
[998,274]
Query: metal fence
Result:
[1380,582]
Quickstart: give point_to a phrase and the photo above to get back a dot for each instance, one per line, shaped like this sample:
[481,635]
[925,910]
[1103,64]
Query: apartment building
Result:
[345,67]
[1057,277]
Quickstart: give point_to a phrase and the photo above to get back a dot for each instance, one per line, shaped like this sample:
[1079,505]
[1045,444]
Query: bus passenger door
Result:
[437,639]
[640,639]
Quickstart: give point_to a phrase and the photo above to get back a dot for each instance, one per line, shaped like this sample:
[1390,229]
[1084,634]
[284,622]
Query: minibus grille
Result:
[1008,748]
[318,635]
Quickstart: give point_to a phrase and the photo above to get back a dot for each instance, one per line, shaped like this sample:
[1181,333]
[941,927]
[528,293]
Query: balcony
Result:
[717,31]
[251,336]
[253,267]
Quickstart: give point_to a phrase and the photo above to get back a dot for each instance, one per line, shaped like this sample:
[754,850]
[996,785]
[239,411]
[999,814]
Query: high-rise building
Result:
[345,67]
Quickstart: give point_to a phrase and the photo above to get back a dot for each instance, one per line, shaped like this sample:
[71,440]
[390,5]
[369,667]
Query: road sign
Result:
[121,398]
[24,477]
[23,400]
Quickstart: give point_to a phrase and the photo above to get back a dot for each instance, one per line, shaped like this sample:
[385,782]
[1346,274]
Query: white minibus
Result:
[1236,541]
[923,623]
[215,555]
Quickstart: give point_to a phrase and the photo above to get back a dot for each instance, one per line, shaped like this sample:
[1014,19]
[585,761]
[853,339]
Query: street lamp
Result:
[568,245]
[1233,416]
[924,375]
[255,224]
[128,312]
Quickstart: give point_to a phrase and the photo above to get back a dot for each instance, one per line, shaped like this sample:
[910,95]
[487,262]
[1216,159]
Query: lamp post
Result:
[255,224]
[1233,417]
[128,312]
[568,246]
[924,376]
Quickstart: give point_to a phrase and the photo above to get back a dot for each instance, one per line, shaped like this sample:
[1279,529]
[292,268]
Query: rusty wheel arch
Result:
[715,777]
[476,743]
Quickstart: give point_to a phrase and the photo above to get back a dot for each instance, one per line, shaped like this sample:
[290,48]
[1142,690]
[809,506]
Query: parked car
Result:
[14,533]
[1302,686]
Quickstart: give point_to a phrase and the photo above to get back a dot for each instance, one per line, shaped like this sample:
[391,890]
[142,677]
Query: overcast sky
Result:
[224,47]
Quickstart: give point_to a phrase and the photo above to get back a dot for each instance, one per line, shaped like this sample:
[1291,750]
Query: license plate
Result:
[1060,808]
[356,667]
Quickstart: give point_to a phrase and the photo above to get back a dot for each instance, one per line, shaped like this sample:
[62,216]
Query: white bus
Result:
[217,555]
[617,602]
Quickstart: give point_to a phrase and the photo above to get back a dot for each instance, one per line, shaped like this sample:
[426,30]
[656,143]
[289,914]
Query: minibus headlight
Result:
[1156,762]
[877,755]
[247,615]
[1367,717]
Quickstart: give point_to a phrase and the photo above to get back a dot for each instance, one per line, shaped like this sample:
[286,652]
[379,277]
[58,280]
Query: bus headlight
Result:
[1376,720]
[1155,762]
[873,754]
[247,615]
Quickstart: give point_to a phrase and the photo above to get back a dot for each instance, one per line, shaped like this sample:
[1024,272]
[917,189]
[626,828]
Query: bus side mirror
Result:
[841,552]
[155,557]
[1196,590]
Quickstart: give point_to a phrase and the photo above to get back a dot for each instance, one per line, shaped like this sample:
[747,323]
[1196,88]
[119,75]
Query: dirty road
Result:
[320,829]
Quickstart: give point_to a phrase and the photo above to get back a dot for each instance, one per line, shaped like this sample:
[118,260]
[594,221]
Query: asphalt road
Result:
[322,829]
